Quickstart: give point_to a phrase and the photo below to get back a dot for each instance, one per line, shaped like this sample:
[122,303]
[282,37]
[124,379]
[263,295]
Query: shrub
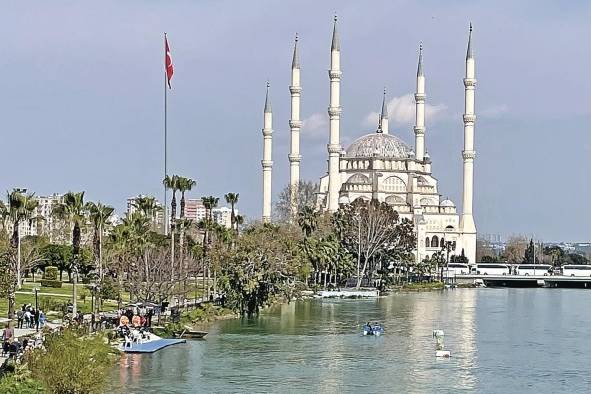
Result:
[51,273]
[51,283]
[18,381]
[72,363]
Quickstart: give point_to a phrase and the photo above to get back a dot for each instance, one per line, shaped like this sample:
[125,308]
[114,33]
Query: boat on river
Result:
[375,329]
[190,333]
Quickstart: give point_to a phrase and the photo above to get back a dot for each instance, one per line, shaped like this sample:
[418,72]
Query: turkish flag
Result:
[168,62]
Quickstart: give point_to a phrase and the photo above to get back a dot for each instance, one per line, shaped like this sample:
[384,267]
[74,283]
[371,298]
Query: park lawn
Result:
[55,302]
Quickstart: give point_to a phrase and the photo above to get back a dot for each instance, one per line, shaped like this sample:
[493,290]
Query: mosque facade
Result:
[380,166]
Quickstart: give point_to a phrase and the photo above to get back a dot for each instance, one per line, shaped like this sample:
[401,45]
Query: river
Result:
[503,340]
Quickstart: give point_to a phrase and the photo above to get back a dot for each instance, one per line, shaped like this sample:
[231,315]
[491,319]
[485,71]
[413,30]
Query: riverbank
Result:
[198,318]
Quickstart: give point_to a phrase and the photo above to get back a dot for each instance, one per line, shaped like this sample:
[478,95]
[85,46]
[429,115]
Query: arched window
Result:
[393,184]
[427,242]
[435,241]
[442,243]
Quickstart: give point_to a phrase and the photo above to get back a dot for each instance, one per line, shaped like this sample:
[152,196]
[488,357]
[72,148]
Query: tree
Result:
[73,210]
[184,185]
[528,255]
[232,199]
[370,229]
[21,208]
[172,183]
[209,203]
[307,219]
[239,222]
[99,216]
[264,265]
[305,196]
[149,207]
[515,249]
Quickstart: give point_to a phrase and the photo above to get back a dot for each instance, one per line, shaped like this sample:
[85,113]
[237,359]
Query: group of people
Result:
[137,316]
[12,347]
[29,317]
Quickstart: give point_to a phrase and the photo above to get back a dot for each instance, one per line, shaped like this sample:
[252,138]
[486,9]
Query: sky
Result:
[81,98]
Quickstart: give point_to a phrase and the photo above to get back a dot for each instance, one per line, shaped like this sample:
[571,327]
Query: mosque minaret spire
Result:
[267,161]
[420,110]
[334,113]
[383,127]
[467,226]
[295,125]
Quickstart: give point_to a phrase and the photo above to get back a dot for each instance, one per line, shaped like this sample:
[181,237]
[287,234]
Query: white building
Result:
[223,216]
[379,165]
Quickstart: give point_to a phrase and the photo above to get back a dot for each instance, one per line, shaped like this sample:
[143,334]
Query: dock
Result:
[151,346]
[527,280]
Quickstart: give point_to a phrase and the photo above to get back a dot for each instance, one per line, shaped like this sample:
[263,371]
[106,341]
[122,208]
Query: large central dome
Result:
[378,145]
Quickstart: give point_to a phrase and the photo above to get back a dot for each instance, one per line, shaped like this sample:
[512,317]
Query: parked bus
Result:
[457,269]
[534,269]
[491,269]
[576,270]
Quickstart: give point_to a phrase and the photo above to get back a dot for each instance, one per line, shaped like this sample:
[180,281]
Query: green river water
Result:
[502,340]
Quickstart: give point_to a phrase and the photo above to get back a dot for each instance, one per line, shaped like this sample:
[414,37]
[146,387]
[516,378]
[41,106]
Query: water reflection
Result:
[497,337]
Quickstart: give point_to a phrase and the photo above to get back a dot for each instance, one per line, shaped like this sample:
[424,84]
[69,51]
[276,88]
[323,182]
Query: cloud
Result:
[315,126]
[493,111]
[401,111]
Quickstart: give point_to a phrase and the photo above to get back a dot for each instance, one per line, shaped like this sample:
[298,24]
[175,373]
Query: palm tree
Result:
[308,220]
[73,210]
[184,185]
[149,207]
[239,222]
[232,199]
[21,208]
[99,216]
[209,203]
[172,182]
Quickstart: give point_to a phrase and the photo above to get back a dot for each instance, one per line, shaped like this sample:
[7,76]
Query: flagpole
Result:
[165,142]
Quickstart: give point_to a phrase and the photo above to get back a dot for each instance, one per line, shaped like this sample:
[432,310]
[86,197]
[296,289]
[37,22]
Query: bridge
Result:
[527,280]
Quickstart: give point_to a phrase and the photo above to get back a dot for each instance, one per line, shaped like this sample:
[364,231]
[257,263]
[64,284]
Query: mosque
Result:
[380,166]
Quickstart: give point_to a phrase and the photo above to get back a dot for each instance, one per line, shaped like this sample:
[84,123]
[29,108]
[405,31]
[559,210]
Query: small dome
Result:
[447,203]
[378,145]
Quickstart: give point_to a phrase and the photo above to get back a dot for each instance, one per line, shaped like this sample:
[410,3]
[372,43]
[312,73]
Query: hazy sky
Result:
[81,97]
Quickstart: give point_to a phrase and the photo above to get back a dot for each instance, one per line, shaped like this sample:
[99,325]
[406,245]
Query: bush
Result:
[51,273]
[72,363]
[19,381]
[51,283]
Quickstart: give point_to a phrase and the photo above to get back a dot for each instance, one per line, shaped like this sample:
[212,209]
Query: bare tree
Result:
[305,197]
[372,230]
[515,249]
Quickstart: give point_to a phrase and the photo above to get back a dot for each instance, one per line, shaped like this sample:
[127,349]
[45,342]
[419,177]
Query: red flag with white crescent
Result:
[168,62]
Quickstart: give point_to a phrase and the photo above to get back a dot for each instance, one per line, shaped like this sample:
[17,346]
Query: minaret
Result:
[467,226]
[334,113]
[267,163]
[383,126]
[420,110]
[295,124]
